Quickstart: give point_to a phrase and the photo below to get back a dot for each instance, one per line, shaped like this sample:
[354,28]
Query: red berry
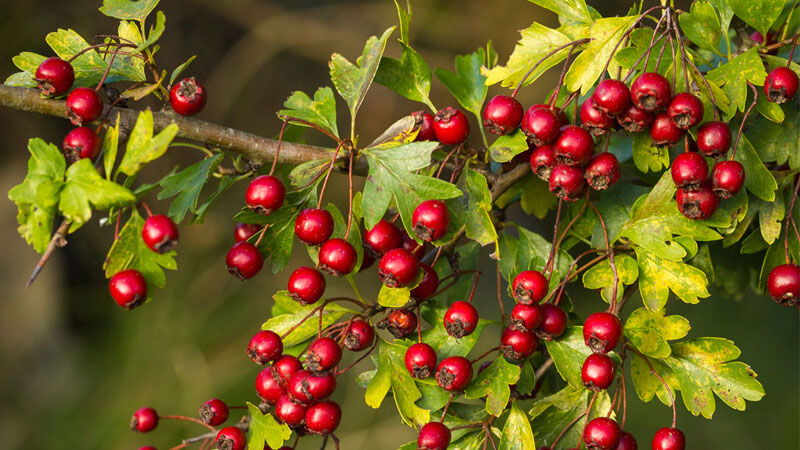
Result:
[359,335]
[230,438]
[323,418]
[454,373]
[502,114]
[308,387]
[268,387]
[543,159]
[698,204]
[595,121]
[323,354]
[144,420]
[313,226]
[727,178]
[337,257]
[781,85]
[424,121]
[598,372]
[627,442]
[566,182]
[400,322]
[612,97]
[284,367]
[433,436]
[147,447]
[451,126]
[601,433]
[783,284]
[265,346]
[529,286]
[160,233]
[265,194]
[80,143]
[54,76]
[214,412]
[689,171]
[517,345]
[541,125]
[460,319]
[383,237]
[187,97]
[714,139]
[83,106]
[128,288]
[244,260]
[663,131]
[430,220]
[420,360]
[651,92]
[554,322]
[398,268]
[289,412]
[603,171]
[526,317]
[427,287]
[669,439]
[635,120]
[574,146]
[306,285]
[412,246]
[602,331]
[244,231]
[685,110]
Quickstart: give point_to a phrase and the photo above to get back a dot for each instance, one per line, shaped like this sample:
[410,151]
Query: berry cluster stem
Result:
[744,119]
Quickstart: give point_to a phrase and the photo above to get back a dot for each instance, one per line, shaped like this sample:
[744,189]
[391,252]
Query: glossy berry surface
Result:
[783,284]
[529,286]
[381,238]
[554,322]
[54,76]
[289,412]
[685,110]
[460,319]
[574,146]
[567,182]
[83,106]
[307,387]
[284,367]
[689,171]
[80,143]
[424,121]
[160,233]
[401,323]
[727,178]
[651,92]
[323,418]
[244,231]
[230,438]
[398,268]
[306,285]
[663,131]
[214,412]
[698,204]
[265,346]
[269,388]
[420,360]
[669,439]
[541,125]
[128,288]
[265,194]
[323,354]
[601,433]
[337,257]
[627,442]
[603,171]
[428,285]
[502,114]
[244,260]
[430,220]
[635,120]
[542,160]
[593,120]
[714,138]
[433,436]
[144,420]
[517,345]
[313,226]
[187,97]
[602,331]
[359,335]
[451,126]
[781,85]
[598,372]
[526,317]
[454,373]
[612,97]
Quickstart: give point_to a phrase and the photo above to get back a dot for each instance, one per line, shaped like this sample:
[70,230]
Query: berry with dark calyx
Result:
[627,442]
[412,246]
[337,257]
[517,345]
[714,138]
[541,125]
[230,438]
[323,354]
[529,286]
[430,220]
[663,131]
[698,204]
[601,433]
[781,85]
[783,284]
[214,412]
[54,76]
[428,285]
[128,288]
[420,360]
[187,97]
[689,171]
[603,171]
[685,110]
[669,439]
[398,268]
[727,178]
[595,121]
[160,233]
[598,372]
[454,373]
[265,194]
[424,121]
[543,159]
[306,285]
[244,231]
[460,319]
[382,237]
[502,114]
[313,226]
[433,436]
[80,143]
[144,420]
[554,322]
[244,260]
[526,317]
[307,387]
[651,92]
[400,322]
[265,346]
[289,412]
[451,126]
[566,182]
[611,97]
[359,335]
[602,331]
[83,106]
[635,120]
[284,367]
[323,418]
[574,146]
[268,387]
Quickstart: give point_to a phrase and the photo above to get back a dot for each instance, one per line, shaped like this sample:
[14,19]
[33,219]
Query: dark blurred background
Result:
[74,366]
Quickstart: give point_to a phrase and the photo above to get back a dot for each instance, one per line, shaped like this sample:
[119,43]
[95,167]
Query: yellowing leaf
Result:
[657,276]
[588,66]
[649,331]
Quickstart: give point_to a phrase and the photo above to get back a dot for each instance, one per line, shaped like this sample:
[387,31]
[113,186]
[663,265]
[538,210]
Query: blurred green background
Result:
[74,366]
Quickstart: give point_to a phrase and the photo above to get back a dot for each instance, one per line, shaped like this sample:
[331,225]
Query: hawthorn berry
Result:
[603,171]
[308,387]
[214,412]
[80,143]
[381,238]
[398,268]
[244,260]
[187,97]
[54,76]
[669,439]
[714,138]
[635,120]
[230,438]
[428,285]
[313,226]
[611,97]
[400,322]
[451,126]
[359,335]
[306,285]
[593,120]
[566,182]
[781,85]
[430,220]
[460,319]
[685,110]
[517,345]
[651,92]
[268,387]
[265,346]
[412,246]
[627,442]
[323,418]
[83,106]
[433,436]
[128,288]
[783,284]
[424,122]
[526,317]
[337,257]
[265,194]
[689,171]
[574,146]
[144,420]
[543,159]
[502,114]
[420,360]
[554,322]
[454,373]
[148,447]
[601,433]
[160,233]
[284,367]
[529,286]
[663,131]
[727,178]
[323,354]
[598,372]
[541,125]
[289,412]
[697,204]
[602,331]
[244,231]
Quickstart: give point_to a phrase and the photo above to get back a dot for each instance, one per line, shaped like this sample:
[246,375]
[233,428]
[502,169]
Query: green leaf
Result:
[568,353]
[647,385]
[179,70]
[264,429]
[404,388]
[128,9]
[408,76]
[90,66]
[382,381]
[142,146]
[760,14]
[555,412]
[588,66]
[296,312]
[321,111]
[601,276]
[657,276]
[770,217]
[475,207]
[777,142]
[393,297]
[701,25]
[85,188]
[467,84]
[771,111]
[649,331]
[568,9]
[187,185]
[734,75]
[110,148]
[527,379]
[639,40]
[494,384]
[506,147]
[517,433]
[437,337]
[758,179]
[404,16]
[536,198]
[648,157]
[155,32]
[224,183]
[535,42]
[616,206]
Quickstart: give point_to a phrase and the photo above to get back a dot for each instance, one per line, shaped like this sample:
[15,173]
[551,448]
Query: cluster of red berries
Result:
[530,321]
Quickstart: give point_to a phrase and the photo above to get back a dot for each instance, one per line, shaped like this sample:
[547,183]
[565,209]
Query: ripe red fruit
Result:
[306,285]
[313,226]
[147,447]
[612,97]
[424,121]
[128,288]
[289,412]
[454,373]
[427,287]
[265,346]
[783,284]
[598,372]
[323,418]
[603,171]
[451,126]
[526,317]
[689,171]
[601,433]
[543,159]
[541,125]
[601,331]
[54,76]
[781,85]
[214,412]
[268,387]
[517,345]
[574,146]
[265,194]
[307,387]
[160,233]
[412,246]
[727,178]
[383,237]
[83,106]
[81,142]
[566,182]
[698,204]
[144,420]
[230,438]
[433,436]
[430,220]
[669,439]
[187,97]
[244,260]
[714,138]
[663,131]
[554,322]
[627,442]
[420,360]
[595,121]
[323,354]
[635,120]
[651,92]
[685,110]
[284,367]
[398,268]
[244,231]
[460,319]
[337,257]
[502,114]
[529,286]
[359,335]
[400,322]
